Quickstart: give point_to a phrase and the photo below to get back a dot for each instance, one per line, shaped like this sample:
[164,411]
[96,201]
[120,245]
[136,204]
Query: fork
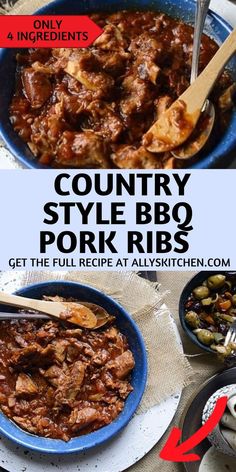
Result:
[231,335]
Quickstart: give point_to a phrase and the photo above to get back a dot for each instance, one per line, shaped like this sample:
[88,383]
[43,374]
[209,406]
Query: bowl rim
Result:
[210,12]
[199,277]
[30,162]
[56,446]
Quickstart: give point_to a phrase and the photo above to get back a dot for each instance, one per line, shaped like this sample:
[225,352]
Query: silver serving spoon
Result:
[206,122]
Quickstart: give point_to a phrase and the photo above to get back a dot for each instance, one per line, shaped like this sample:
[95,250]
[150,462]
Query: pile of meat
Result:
[61,382]
[89,108]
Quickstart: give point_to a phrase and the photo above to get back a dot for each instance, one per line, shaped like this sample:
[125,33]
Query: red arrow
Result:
[174,452]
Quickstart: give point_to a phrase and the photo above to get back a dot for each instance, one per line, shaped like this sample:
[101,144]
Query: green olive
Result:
[192,319]
[201,292]
[234,300]
[216,281]
[205,336]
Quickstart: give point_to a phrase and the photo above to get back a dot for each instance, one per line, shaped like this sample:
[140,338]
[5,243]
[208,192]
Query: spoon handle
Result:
[15,300]
[22,316]
[198,92]
[200,18]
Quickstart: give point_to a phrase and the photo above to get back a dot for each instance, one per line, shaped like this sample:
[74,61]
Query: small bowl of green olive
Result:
[207,308]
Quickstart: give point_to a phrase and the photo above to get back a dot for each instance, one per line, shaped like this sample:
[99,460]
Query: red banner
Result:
[24,31]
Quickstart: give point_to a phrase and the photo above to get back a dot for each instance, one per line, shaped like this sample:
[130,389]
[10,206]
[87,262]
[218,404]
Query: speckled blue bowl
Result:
[216,27]
[138,378]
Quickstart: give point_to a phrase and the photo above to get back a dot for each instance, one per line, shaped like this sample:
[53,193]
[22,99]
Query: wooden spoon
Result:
[178,122]
[101,314]
[68,311]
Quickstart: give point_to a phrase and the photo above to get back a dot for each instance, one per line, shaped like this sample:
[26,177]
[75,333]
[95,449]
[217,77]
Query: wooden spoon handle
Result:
[196,95]
[15,300]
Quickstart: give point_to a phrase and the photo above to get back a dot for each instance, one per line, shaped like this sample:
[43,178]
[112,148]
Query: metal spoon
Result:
[22,316]
[206,122]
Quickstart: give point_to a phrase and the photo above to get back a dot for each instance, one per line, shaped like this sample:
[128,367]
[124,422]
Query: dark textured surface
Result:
[9,2]
[149,275]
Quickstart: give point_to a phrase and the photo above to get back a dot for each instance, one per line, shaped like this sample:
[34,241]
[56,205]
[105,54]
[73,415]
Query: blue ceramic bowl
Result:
[138,379]
[219,156]
[193,283]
